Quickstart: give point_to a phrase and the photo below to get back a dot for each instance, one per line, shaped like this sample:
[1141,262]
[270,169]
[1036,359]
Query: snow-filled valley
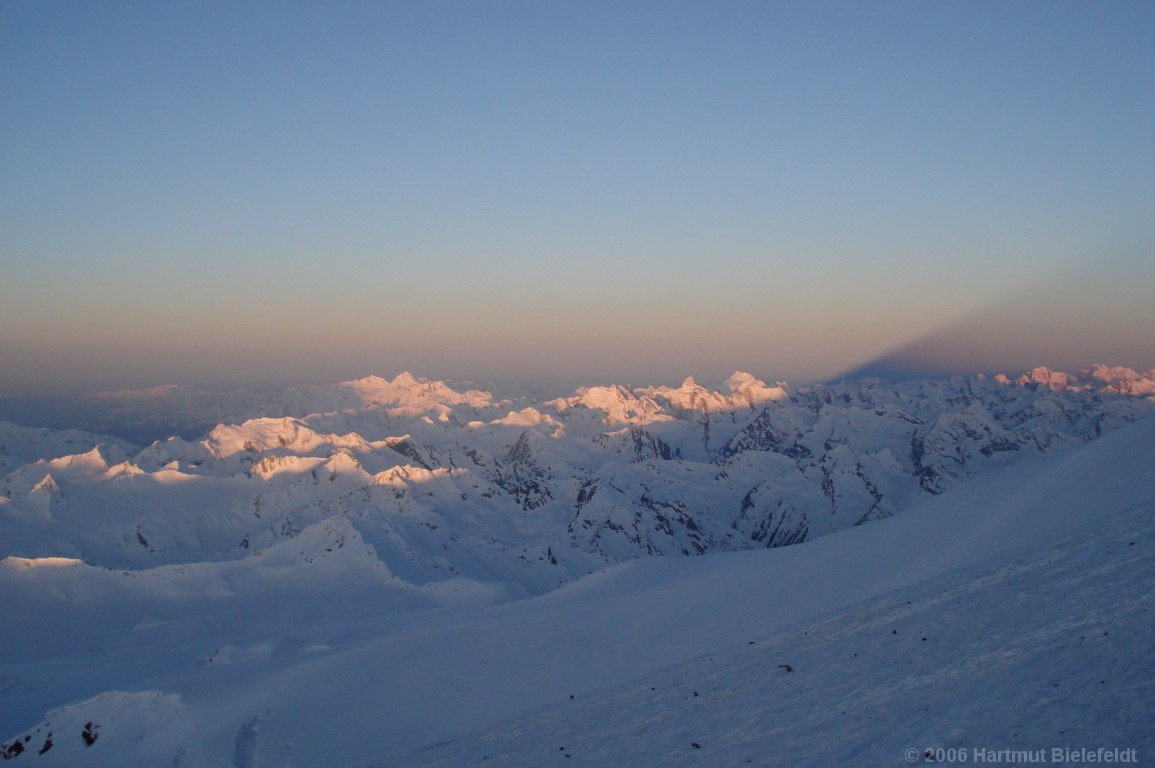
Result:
[399,573]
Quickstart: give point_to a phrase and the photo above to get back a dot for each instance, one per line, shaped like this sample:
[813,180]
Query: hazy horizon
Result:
[1065,322]
[273,196]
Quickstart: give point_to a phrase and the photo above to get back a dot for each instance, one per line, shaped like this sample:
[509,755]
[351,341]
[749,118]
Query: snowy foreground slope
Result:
[1007,662]
[1030,585]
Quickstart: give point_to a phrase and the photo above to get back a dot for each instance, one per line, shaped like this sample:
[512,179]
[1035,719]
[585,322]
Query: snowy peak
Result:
[745,392]
[47,486]
[1122,380]
[619,405]
[744,388]
[330,539]
[409,395]
[1056,381]
[259,435]
[1118,380]
[405,395]
[406,474]
[41,477]
[528,417]
[691,396]
[92,463]
[22,445]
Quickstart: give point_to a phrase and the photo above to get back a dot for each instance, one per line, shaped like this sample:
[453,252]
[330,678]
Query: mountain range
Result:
[450,485]
[263,543]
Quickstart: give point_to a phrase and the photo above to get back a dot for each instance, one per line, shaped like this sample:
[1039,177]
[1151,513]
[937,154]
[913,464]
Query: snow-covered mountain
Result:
[449,485]
[22,445]
[1116,379]
[1009,612]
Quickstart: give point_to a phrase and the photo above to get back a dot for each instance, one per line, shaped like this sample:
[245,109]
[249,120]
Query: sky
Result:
[254,194]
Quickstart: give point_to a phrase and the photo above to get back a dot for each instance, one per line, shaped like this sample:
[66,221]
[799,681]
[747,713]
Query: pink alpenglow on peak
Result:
[412,394]
[256,435]
[1056,381]
[744,387]
[1123,380]
[745,391]
[619,404]
[1117,379]
[691,396]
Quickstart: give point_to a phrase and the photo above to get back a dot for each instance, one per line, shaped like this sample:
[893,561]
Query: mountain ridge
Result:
[447,485]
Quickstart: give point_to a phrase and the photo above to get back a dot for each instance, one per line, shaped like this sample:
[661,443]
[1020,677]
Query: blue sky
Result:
[258,193]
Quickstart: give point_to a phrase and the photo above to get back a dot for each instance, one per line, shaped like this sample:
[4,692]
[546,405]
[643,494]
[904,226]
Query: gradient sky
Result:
[250,193]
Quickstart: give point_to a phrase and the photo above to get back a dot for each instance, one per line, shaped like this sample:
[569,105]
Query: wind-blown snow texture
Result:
[335,588]
[1049,649]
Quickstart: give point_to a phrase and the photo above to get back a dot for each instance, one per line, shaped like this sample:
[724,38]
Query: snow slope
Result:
[1005,576]
[1047,649]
